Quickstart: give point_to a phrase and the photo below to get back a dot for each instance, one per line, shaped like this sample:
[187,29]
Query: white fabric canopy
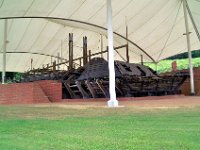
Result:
[155,26]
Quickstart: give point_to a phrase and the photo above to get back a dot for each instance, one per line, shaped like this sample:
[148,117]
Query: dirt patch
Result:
[88,109]
[79,107]
[169,102]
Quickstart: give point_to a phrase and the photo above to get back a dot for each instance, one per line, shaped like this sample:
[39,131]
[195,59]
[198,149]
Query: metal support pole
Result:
[70,51]
[127,48]
[113,101]
[4,52]
[192,20]
[189,49]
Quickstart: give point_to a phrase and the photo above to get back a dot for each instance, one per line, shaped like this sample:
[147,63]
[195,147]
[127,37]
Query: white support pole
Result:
[189,49]
[192,20]
[4,52]
[113,101]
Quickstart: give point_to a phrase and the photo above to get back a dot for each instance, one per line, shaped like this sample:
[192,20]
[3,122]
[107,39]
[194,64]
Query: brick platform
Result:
[33,92]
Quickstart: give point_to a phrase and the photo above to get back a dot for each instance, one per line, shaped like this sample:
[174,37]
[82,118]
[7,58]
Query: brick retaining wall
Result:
[185,88]
[33,92]
[51,88]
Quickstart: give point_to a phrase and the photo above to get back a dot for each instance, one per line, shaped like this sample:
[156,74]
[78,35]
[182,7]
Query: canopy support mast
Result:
[192,20]
[4,52]
[113,101]
[127,47]
[189,49]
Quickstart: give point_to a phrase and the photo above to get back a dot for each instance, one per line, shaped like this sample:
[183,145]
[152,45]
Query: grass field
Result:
[89,128]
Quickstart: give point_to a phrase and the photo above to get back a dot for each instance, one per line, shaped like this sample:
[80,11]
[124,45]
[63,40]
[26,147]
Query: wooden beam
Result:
[85,56]
[89,55]
[95,54]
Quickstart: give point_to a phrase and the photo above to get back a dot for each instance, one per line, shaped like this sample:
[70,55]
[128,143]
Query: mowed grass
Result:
[98,128]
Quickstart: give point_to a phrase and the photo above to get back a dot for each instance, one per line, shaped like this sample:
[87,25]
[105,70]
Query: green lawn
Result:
[29,127]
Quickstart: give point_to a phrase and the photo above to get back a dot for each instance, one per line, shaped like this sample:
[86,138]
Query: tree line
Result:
[195,54]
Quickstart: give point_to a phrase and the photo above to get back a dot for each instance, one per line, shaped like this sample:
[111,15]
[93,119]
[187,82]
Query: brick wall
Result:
[185,88]
[33,92]
[38,94]
[21,93]
[52,88]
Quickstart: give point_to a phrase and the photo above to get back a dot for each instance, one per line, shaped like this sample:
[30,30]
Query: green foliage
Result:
[98,128]
[17,76]
[12,77]
[165,65]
